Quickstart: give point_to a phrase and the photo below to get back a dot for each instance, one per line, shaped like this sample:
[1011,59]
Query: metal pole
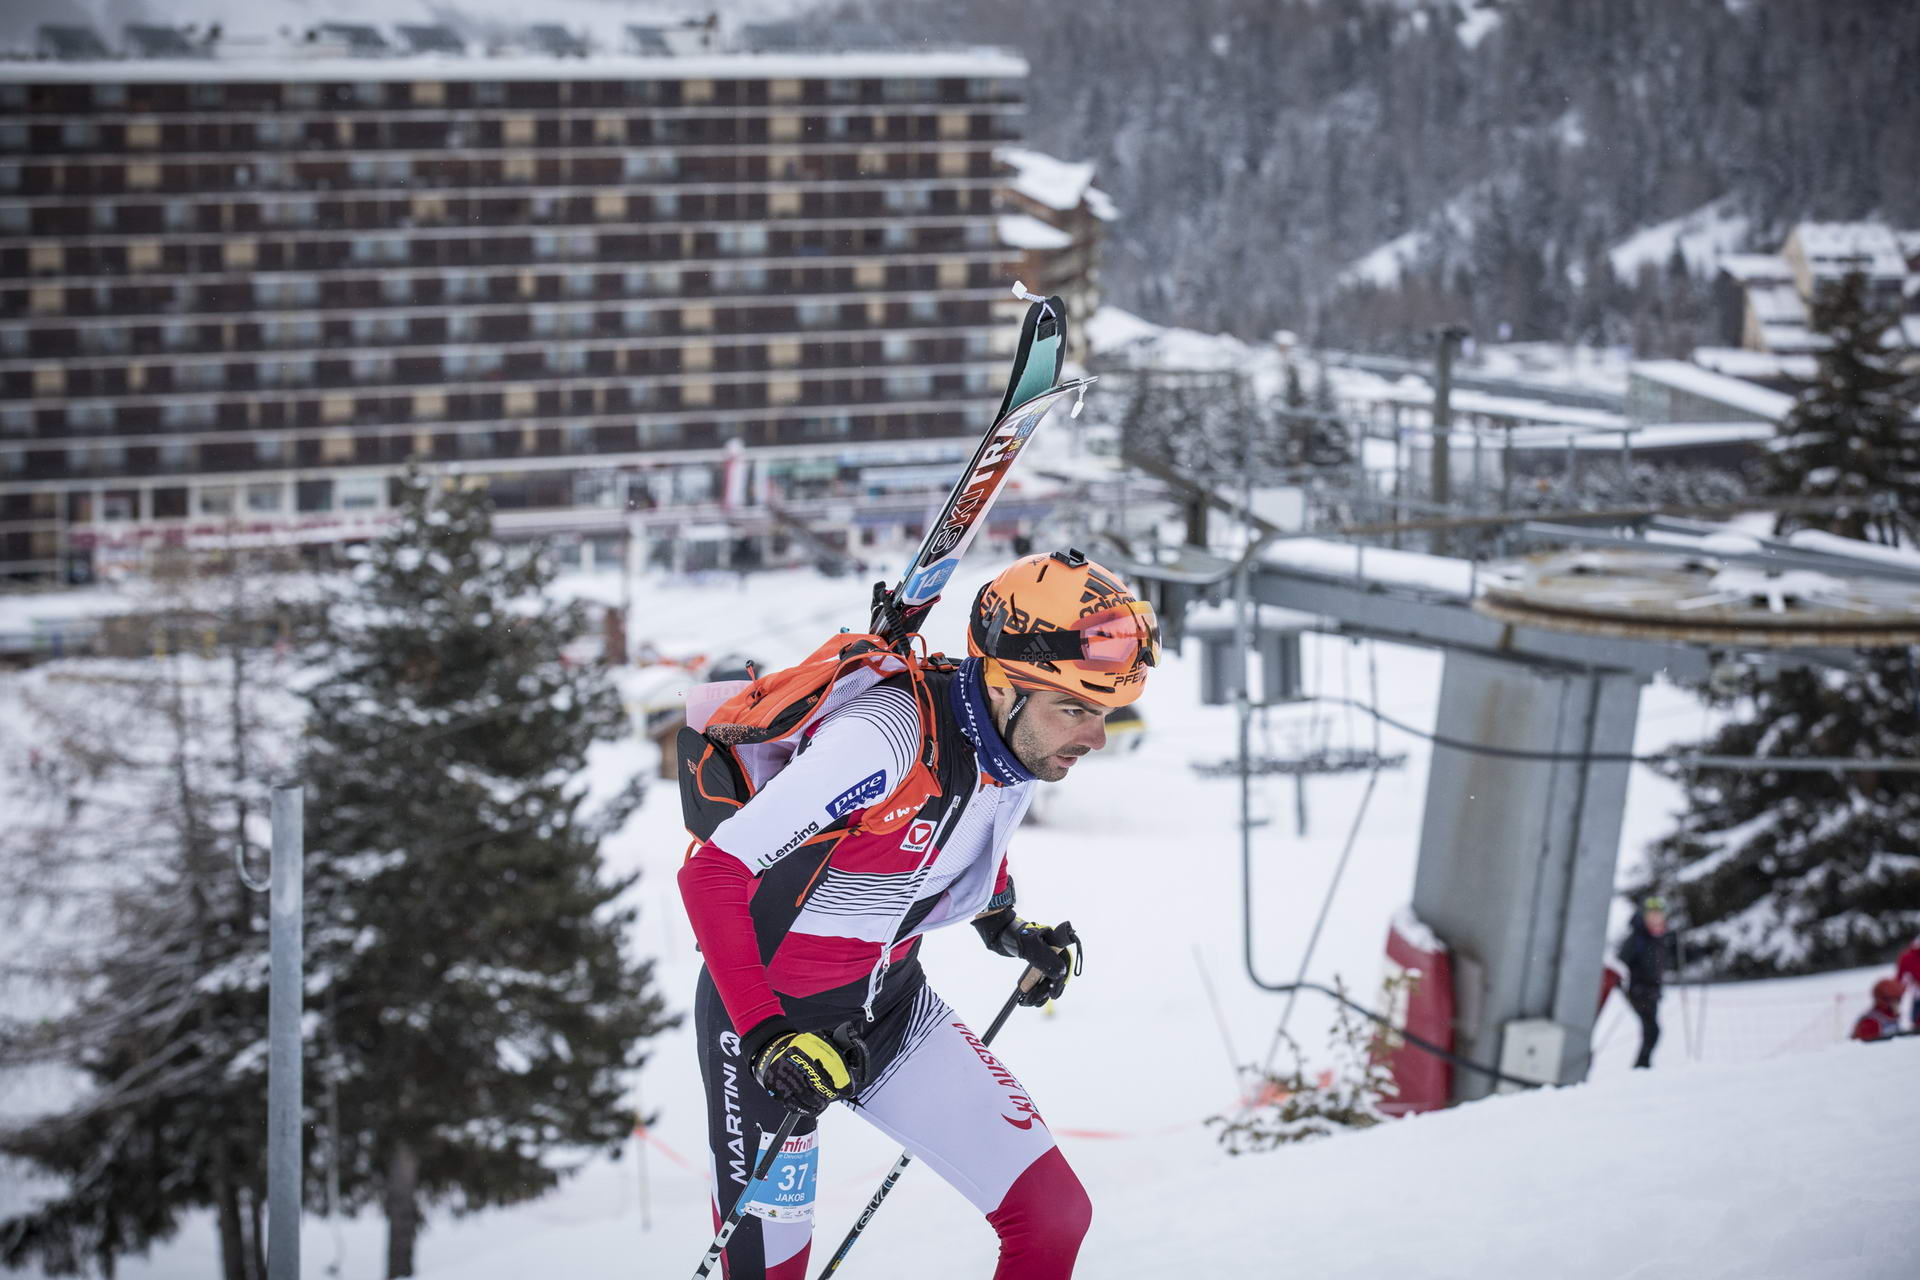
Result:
[1449,337]
[285,910]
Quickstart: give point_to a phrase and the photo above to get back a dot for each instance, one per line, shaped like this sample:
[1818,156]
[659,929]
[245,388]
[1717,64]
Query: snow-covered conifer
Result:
[479,1008]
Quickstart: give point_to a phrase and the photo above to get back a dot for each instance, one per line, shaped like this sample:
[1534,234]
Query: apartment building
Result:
[242,294]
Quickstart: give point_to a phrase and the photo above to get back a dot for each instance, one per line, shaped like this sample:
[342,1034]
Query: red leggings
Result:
[946,1098]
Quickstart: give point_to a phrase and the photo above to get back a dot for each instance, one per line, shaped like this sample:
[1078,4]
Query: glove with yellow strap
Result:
[1053,954]
[803,1070]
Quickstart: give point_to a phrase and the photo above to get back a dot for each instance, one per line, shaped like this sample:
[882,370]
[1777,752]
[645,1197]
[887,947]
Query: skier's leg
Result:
[1648,1008]
[739,1112]
[948,1099]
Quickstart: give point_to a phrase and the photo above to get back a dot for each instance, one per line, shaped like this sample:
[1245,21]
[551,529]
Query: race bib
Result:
[786,1193]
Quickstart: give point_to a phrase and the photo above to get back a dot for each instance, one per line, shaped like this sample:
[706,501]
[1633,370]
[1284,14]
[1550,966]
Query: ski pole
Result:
[906,1157]
[760,1171]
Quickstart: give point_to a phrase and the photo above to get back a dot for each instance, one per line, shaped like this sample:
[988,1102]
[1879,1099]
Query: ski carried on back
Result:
[1033,390]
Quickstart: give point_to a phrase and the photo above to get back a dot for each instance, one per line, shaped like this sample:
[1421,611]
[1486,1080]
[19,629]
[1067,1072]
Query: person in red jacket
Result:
[809,923]
[1907,970]
[1882,1022]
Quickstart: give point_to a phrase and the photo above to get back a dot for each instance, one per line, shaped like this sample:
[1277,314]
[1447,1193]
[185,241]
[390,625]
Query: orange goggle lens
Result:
[1119,639]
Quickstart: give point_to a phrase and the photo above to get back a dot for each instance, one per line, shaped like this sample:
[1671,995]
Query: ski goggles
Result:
[1117,639]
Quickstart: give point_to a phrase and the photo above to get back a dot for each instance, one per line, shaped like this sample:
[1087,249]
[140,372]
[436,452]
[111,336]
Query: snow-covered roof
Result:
[1418,392]
[1024,231]
[258,66]
[1701,237]
[1651,437]
[1770,406]
[1792,339]
[1777,303]
[1840,248]
[1751,268]
[1058,184]
[1738,362]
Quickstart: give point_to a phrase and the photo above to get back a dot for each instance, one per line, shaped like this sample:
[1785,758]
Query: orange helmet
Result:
[1061,622]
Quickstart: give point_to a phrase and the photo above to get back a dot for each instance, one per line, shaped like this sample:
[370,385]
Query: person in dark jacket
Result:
[1647,954]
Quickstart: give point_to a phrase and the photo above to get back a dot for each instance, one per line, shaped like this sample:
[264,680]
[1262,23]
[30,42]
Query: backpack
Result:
[729,752]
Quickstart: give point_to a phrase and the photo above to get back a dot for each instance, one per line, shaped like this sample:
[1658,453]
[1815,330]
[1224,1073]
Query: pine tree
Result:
[1790,871]
[479,1009]
[120,857]
[1853,438]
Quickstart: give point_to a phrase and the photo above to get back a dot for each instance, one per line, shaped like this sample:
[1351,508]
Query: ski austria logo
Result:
[859,795]
[918,836]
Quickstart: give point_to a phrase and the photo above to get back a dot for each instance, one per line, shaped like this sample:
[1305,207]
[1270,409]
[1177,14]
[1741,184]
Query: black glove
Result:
[1053,955]
[803,1070]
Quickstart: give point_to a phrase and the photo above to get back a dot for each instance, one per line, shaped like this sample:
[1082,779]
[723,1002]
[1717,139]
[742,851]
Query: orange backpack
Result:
[728,753]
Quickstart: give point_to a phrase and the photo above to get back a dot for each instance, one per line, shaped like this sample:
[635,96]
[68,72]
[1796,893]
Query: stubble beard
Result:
[1034,756]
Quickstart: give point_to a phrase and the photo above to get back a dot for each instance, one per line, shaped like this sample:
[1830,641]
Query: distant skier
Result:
[810,927]
[1882,1022]
[1647,954]
[1907,970]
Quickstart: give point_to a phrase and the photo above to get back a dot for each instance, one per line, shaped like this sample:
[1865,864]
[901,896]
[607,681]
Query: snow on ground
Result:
[1701,236]
[1746,1152]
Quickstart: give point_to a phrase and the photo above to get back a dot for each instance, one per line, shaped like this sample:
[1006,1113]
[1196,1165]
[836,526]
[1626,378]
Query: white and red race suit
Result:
[800,916]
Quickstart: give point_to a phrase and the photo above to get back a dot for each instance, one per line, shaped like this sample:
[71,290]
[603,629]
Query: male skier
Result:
[812,990]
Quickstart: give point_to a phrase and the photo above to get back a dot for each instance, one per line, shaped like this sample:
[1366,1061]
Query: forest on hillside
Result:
[1259,148]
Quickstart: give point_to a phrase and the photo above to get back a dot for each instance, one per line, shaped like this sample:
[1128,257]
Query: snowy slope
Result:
[1142,856]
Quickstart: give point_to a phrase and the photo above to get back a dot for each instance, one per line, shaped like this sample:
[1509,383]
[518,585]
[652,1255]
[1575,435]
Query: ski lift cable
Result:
[1333,886]
[1690,759]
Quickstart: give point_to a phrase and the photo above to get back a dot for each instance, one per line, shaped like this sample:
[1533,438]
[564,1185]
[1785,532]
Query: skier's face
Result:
[1052,732]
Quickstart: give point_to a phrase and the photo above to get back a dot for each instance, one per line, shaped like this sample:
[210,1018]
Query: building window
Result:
[206,97]
[743,240]
[489,93]
[664,164]
[636,319]
[144,176]
[9,177]
[17,218]
[269,450]
[909,199]
[370,93]
[186,415]
[15,340]
[567,359]
[16,420]
[264,499]
[77,134]
[106,97]
[360,493]
[396,288]
[215,500]
[579,284]
[90,415]
[373,367]
[202,377]
[461,328]
[814,315]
